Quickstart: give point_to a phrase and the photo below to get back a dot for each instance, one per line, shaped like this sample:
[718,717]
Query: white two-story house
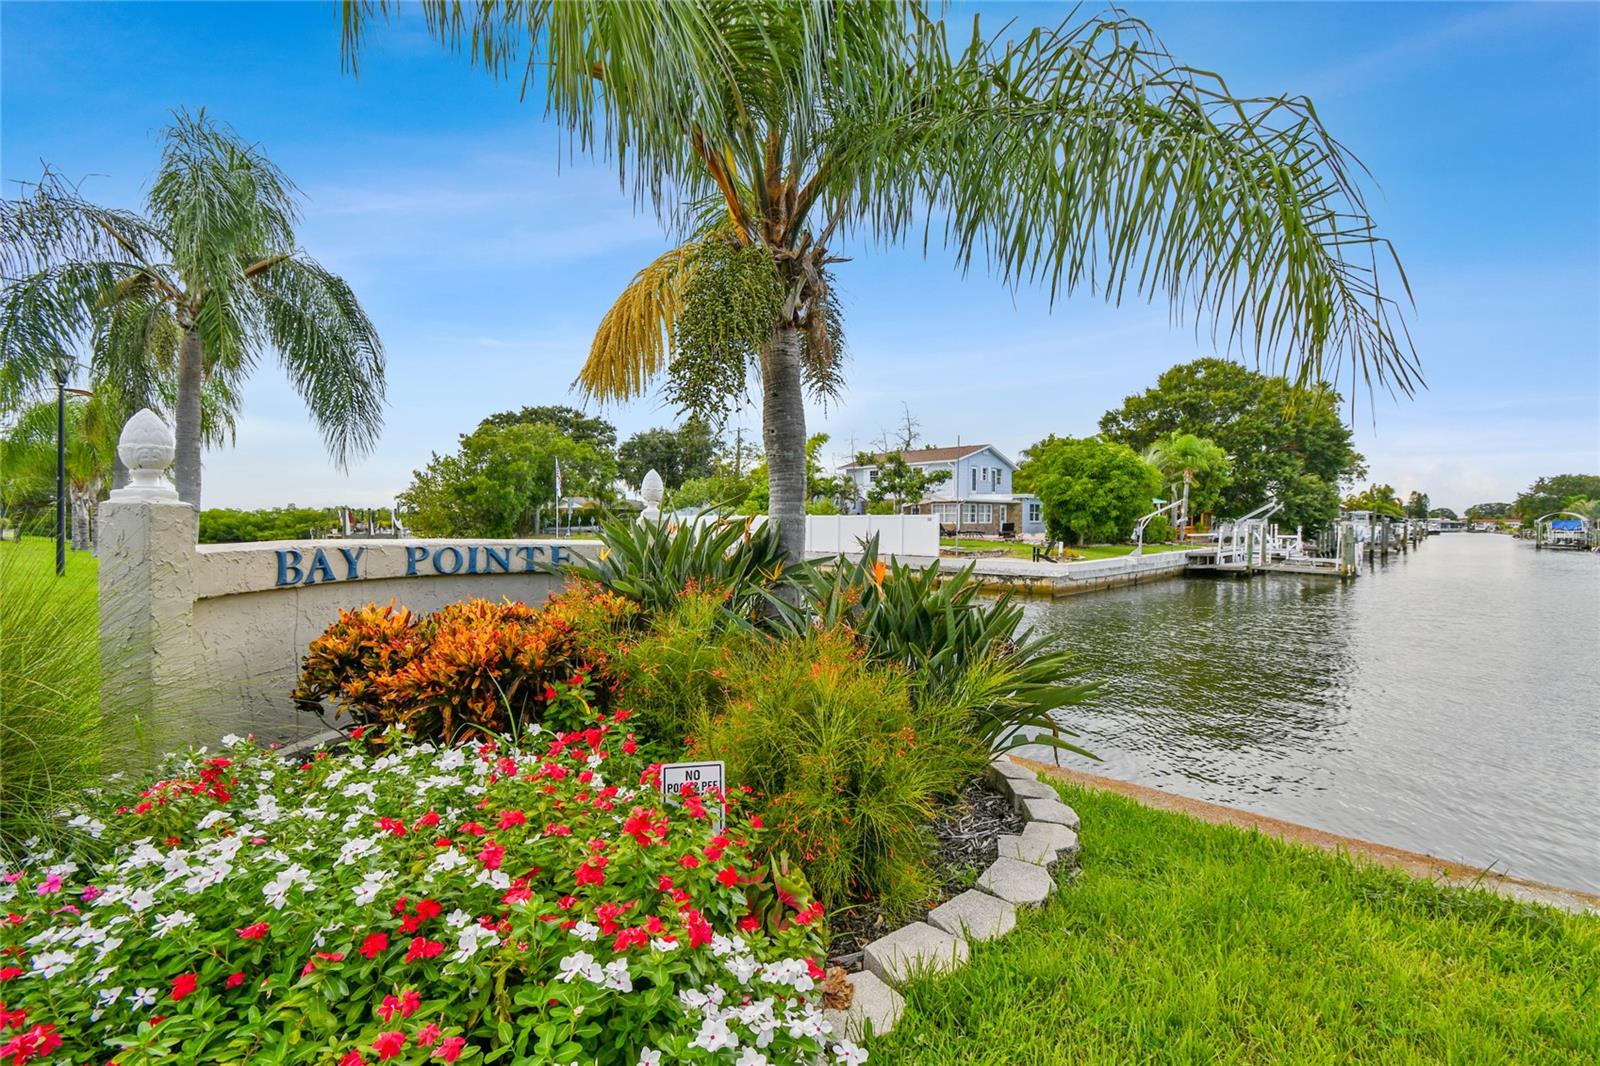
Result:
[977,498]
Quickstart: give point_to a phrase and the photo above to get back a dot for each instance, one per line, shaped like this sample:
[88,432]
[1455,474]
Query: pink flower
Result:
[409,1002]
[352,1058]
[91,893]
[50,885]
[254,932]
[491,855]
[450,1050]
[428,1035]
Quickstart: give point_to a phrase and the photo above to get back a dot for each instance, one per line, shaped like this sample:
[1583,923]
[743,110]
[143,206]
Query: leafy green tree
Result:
[1443,512]
[1417,505]
[205,281]
[899,481]
[500,481]
[690,451]
[1379,499]
[1554,494]
[1483,510]
[720,491]
[573,423]
[222,525]
[28,459]
[1201,465]
[1274,434]
[1093,490]
[1076,156]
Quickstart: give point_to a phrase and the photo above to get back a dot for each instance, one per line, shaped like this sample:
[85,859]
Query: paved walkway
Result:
[1417,864]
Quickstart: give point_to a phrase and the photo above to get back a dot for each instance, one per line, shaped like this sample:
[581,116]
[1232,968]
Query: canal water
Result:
[1446,701]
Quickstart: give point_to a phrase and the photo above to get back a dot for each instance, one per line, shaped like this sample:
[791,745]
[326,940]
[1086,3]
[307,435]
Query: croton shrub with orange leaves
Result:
[474,668]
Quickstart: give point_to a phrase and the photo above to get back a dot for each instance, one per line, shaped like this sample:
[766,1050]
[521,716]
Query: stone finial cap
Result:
[652,489]
[146,448]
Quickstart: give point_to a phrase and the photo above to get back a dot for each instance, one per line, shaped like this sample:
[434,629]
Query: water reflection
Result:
[1445,702]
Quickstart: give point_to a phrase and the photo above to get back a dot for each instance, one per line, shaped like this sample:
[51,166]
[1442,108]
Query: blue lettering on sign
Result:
[295,569]
[289,567]
[319,570]
[352,563]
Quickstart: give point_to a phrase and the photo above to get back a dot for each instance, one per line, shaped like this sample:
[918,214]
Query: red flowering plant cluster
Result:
[475,668]
[536,901]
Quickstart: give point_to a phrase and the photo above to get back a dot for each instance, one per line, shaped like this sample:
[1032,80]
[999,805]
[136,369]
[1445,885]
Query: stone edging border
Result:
[1019,877]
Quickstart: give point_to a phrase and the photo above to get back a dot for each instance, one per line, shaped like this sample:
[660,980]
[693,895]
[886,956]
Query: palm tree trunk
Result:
[80,520]
[1183,524]
[191,380]
[783,428]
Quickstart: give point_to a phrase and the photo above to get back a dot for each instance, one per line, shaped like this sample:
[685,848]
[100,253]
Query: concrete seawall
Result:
[1053,580]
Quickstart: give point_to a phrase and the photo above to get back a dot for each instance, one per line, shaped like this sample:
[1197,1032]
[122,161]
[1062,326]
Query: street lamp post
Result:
[61,468]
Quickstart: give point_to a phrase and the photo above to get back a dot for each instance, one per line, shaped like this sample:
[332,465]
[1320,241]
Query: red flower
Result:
[183,985]
[392,826]
[428,1035]
[428,908]
[630,938]
[409,1002]
[472,827]
[689,862]
[35,1043]
[234,980]
[254,932]
[727,877]
[592,872]
[491,855]
[749,923]
[7,973]
[450,1050]
[511,818]
[389,1008]
[699,928]
[429,820]
[374,944]
[389,1044]
[423,948]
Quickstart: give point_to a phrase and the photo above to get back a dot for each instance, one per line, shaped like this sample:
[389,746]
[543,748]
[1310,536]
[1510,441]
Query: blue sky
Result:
[486,256]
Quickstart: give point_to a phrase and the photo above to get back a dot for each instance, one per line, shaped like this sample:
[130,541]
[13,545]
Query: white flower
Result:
[93,826]
[664,945]
[111,944]
[849,1054]
[232,740]
[751,1057]
[108,996]
[470,938]
[585,931]
[100,977]
[649,1057]
[714,1035]
[212,819]
[50,963]
[143,855]
[447,860]
[176,920]
[743,967]
[142,997]
[361,788]
[497,879]
[358,848]
[368,889]
[617,975]
[141,898]
[457,918]
[581,964]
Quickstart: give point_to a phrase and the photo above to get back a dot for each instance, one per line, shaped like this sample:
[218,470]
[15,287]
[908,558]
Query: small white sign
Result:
[701,776]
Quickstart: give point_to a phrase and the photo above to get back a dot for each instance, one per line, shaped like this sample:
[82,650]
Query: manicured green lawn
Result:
[1025,551]
[1187,942]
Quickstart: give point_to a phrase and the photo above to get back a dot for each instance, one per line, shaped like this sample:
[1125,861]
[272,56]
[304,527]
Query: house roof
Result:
[929,455]
[983,497]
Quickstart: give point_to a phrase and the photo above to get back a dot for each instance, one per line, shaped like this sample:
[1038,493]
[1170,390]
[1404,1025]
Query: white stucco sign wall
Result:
[207,638]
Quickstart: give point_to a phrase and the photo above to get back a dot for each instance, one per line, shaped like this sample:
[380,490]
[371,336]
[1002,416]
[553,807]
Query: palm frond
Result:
[634,340]
[330,350]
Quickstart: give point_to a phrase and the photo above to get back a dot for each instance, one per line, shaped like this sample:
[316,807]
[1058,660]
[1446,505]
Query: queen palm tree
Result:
[28,458]
[199,285]
[1188,457]
[1080,156]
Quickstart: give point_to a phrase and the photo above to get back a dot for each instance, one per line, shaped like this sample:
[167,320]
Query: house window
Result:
[872,475]
[1035,513]
[977,514]
[946,512]
[974,479]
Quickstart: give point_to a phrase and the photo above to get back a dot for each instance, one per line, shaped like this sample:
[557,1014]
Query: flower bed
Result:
[401,902]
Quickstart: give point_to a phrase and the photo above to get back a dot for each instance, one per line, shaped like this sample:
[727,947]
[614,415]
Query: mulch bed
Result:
[966,833]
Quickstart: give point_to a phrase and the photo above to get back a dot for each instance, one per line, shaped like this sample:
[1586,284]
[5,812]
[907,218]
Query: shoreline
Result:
[1416,864]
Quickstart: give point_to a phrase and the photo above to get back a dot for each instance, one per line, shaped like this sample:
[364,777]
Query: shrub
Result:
[653,563]
[959,648]
[674,674]
[474,666]
[501,903]
[849,769]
